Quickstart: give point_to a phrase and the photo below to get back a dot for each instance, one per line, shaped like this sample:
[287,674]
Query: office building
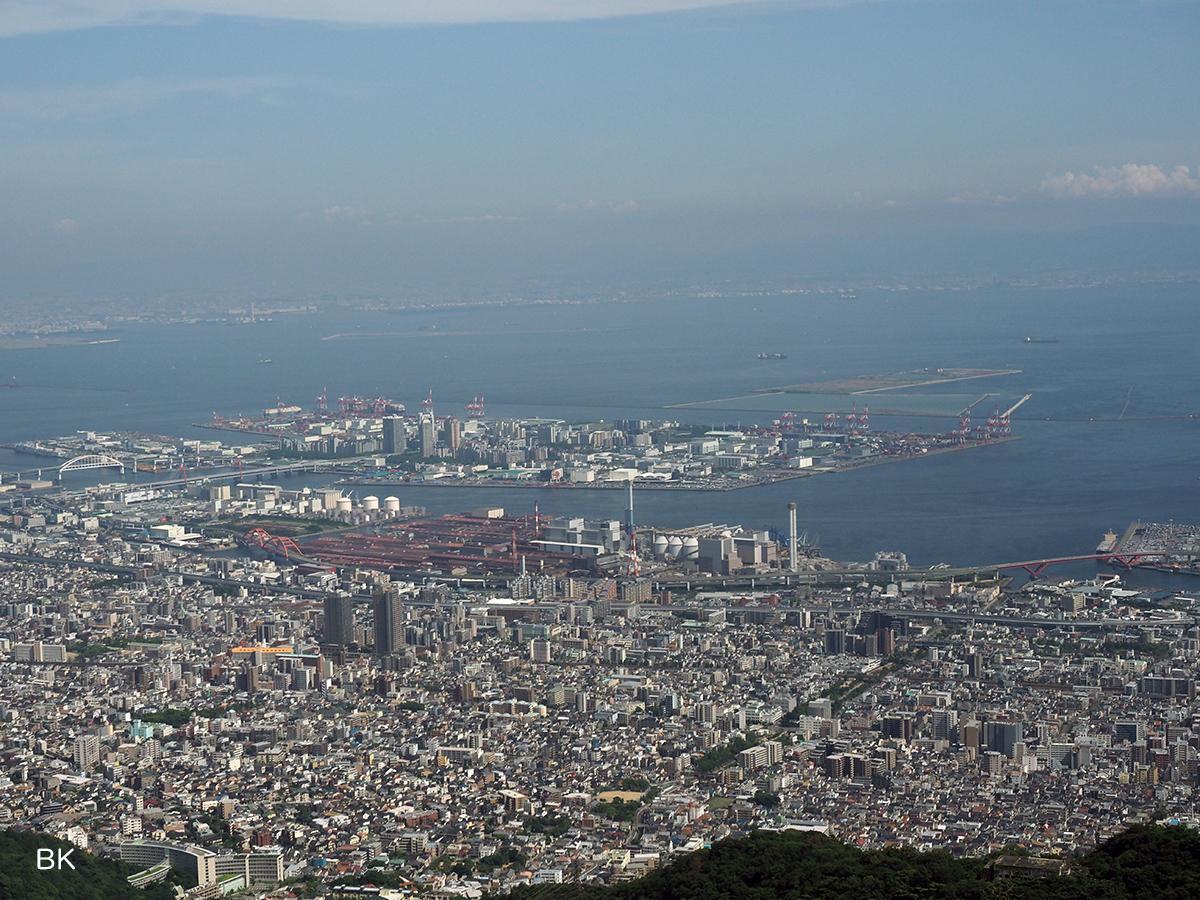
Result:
[395,438]
[428,435]
[388,613]
[339,620]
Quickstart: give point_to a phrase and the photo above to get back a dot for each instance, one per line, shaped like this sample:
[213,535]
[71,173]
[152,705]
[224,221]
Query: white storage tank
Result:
[674,547]
[691,548]
[391,504]
[345,505]
[660,546]
[370,503]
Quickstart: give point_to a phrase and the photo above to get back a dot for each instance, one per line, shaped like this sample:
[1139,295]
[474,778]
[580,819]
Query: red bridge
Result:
[1035,567]
[264,540]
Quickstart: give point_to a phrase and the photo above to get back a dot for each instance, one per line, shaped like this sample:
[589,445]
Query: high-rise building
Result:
[395,438]
[87,752]
[1003,737]
[885,641]
[539,651]
[428,434]
[975,664]
[898,726]
[453,429]
[339,620]
[944,724]
[389,622]
[1128,731]
[835,641]
[992,762]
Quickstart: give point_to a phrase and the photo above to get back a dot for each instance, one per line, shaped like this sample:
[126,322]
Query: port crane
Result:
[858,422]
[963,431]
[474,408]
[367,407]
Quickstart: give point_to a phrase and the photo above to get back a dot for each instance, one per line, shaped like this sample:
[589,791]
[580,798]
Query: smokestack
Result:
[792,539]
[629,511]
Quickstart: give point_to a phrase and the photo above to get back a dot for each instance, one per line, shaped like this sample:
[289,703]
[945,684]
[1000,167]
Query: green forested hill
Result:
[1144,862]
[92,878]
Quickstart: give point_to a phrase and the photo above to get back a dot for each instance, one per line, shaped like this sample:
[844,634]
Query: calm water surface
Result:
[1108,436]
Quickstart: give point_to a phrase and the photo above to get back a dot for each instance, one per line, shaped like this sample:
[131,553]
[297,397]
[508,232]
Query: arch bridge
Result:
[91,461]
[277,544]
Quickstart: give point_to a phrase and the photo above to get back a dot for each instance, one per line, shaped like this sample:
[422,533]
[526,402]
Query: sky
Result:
[302,148]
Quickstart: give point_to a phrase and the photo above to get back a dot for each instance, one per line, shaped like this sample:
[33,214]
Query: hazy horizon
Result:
[255,147]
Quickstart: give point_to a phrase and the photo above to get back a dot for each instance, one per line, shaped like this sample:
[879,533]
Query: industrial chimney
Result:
[792,539]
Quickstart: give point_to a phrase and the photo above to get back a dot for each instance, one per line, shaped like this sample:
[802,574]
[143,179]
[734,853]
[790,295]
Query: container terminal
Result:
[1172,547]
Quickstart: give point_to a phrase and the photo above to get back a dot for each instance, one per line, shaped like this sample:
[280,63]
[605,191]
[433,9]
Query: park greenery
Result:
[719,757]
[173,717]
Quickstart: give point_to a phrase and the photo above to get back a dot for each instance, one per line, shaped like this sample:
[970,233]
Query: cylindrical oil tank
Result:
[660,546]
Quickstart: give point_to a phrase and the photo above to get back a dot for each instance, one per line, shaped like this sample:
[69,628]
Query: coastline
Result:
[773,478]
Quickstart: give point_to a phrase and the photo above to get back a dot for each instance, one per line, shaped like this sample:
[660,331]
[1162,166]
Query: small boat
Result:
[772,356]
[1041,340]
[264,362]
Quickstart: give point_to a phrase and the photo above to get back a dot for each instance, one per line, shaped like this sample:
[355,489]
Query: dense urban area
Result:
[232,681]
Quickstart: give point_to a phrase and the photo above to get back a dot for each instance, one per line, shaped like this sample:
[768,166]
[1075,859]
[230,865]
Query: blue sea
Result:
[1110,434]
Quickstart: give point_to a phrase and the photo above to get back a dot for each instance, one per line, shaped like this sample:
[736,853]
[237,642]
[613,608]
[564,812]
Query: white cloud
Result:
[65,226]
[970,198]
[355,214]
[484,219]
[1129,180]
[610,206]
[345,214]
[30,16]
[120,98]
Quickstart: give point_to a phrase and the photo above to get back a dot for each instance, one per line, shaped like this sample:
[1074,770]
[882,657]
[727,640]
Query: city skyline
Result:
[599,449]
